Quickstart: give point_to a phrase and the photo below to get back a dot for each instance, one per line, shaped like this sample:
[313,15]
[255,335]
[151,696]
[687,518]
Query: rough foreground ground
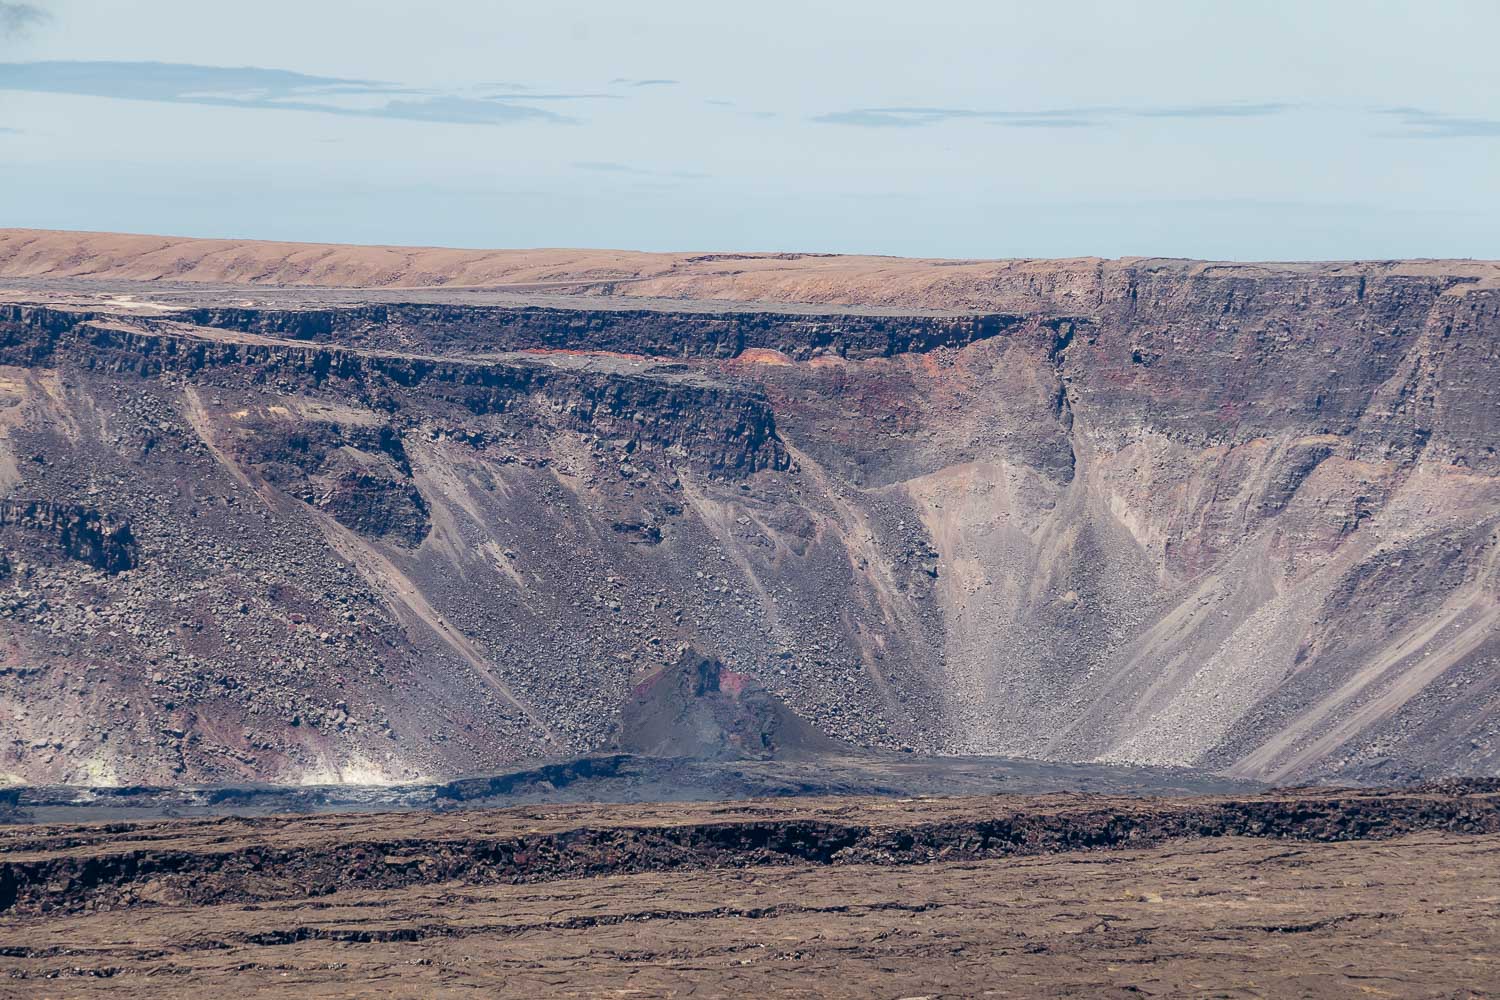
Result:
[1304,893]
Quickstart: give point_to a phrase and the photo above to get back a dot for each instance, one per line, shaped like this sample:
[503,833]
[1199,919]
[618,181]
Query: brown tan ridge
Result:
[738,277]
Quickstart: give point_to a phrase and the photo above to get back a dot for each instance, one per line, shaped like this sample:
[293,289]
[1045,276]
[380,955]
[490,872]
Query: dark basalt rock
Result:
[444,329]
[699,708]
[77,532]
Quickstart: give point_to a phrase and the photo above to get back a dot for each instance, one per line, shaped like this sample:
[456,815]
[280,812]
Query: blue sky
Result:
[1268,130]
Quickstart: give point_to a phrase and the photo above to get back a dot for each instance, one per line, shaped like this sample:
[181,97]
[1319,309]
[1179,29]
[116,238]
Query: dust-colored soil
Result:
[1288,894]
[763,277]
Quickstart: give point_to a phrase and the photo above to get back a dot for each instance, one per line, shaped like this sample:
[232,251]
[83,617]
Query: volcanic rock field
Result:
[1293,893]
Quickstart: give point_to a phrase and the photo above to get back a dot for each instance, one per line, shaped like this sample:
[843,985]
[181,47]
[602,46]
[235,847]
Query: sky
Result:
[1296,130]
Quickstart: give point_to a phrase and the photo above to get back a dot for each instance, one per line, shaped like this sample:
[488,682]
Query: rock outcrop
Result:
[76,532]
[699,709]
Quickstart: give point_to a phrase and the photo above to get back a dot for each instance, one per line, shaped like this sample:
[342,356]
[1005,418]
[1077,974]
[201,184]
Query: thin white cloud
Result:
[625,81]
[274,89]
[1422,124]
[1078,117]
[19,18]
[626,170]
[608,167]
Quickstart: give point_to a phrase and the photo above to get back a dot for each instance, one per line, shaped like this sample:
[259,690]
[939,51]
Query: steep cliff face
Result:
[1243,518]
[1173,558]
[444,329]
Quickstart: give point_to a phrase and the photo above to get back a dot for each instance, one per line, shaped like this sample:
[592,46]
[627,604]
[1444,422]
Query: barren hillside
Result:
[956,285]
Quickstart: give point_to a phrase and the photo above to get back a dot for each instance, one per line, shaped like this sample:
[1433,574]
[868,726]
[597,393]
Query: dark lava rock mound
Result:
[699,708]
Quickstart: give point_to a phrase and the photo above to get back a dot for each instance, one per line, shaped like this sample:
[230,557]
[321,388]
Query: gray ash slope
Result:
[692,731]
[1240,521]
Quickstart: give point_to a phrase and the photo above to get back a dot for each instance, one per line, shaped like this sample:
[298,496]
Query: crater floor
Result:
[1328,894]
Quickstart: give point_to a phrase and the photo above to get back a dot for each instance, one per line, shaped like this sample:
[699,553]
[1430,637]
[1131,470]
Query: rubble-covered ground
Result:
[1312,893]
